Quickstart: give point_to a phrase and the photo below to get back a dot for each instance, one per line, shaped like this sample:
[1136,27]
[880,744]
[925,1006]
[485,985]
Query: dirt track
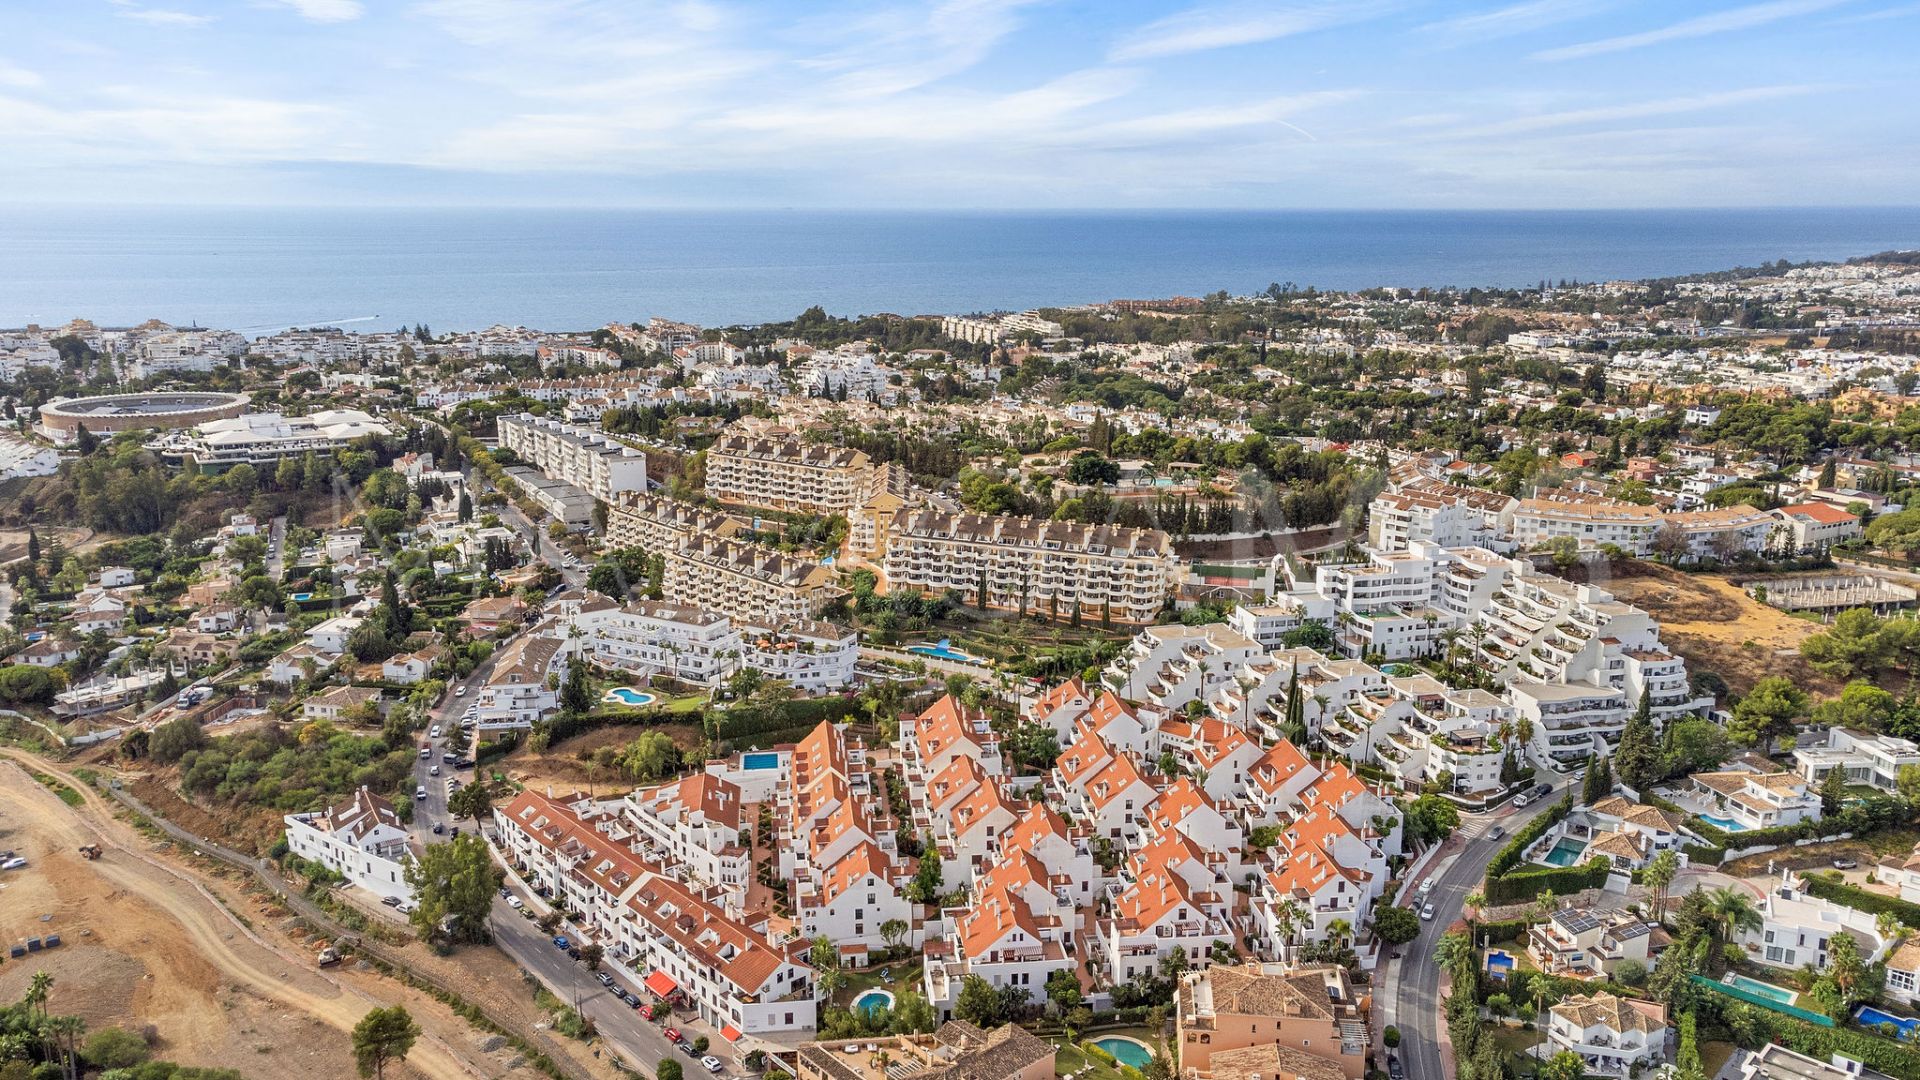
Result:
[147,944]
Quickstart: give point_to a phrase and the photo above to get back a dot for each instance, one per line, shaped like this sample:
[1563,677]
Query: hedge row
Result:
[1813,1040]
[1508,857]
[1563,880]
[743,721]
[1853,896]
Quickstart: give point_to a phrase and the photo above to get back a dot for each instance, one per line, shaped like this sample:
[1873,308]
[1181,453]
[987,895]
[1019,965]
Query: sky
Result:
[961,103]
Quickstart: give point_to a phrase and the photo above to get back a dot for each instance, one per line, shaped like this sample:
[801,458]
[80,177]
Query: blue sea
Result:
[257,270]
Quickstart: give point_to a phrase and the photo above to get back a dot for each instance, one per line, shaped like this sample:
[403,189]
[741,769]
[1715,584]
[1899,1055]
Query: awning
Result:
[731,1033]
[660,983]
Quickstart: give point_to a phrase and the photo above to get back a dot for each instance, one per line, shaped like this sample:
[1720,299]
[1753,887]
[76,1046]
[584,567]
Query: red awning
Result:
[731,1033]
[660,983]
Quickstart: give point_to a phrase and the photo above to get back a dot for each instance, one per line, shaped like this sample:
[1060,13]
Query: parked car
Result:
[605,979]
[515,902]
[632,1000]
[573,953]
[390,901]
[14,863]
[1543,791]
[459,691]
[561,942]
[420,793]
[439,828]
[686,1048]
[434,771]
[1844,863]
[426,751]
[710,1063]
[1426,913]
[1395,1070]
[433,732]
[1522,799]
[672,1034]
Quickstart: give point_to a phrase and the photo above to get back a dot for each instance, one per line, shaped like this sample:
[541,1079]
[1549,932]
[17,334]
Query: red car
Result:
[646,1011]
[672,1035]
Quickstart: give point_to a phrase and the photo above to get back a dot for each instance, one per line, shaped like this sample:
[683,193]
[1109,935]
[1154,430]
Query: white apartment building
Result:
[590,460]
[184,350]
[732,975]
[516,694]
[695,823]
[1628,526]
[1813,527]
[658,523]
[747,581]
[646,638]
[362,840]
[1437,513]
[1570,720]
[780,472]
[1868,758]
[264,438]
[1095,573]
[1170,665]
[814,656]
[1269,624]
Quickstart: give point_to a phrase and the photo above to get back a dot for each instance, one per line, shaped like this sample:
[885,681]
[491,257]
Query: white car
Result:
[711,1063]
[14,863]
[420,793]
[515,903]
[459,691]
[433,732]
[435,771]
[1426,913]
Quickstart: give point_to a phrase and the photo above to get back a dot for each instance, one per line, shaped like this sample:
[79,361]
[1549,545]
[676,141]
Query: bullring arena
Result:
[61,420]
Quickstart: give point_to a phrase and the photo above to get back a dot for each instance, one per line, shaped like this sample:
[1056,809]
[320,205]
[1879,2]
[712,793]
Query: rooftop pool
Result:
[757,762]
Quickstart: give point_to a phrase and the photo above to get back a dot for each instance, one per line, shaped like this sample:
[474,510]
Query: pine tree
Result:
[1639,757]
[33,546]
[1599,782]
[466,508]
[84,440]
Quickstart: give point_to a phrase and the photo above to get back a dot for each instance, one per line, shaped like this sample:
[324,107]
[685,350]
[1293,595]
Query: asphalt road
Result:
[1417,994]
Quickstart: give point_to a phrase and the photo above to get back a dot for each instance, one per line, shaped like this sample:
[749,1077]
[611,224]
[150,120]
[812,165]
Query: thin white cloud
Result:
[1720,22]
[1513,19]
[129,9]
[1635,110]
[18,77]
[323,11]
[1898,11]
[1203,28]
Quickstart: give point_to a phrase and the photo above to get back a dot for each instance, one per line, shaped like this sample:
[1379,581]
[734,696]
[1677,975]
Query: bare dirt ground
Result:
[13,542]
[1717,627]
[564,766]
[213,967]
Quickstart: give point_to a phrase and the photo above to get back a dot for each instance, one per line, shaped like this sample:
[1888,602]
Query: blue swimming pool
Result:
[1126,1051]
[756,762]
[301,597]
[1499,963]
[1565,853]
[1724,824]
[627,695]
[1762,989]
[1868,1016]
[873,1002]
[943,651]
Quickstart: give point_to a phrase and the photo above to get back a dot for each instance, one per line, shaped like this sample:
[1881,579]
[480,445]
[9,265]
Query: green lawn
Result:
[1713,1055]
[1516,1043]
[904,976]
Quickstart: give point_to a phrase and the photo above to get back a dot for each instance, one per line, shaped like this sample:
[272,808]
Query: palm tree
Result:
[1474,902]
[1454,954]
[1659,876]
[1340,930]
[1546,904]
[1731,911]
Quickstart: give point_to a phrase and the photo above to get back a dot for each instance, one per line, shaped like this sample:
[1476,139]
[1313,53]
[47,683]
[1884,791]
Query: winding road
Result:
[1417,992]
